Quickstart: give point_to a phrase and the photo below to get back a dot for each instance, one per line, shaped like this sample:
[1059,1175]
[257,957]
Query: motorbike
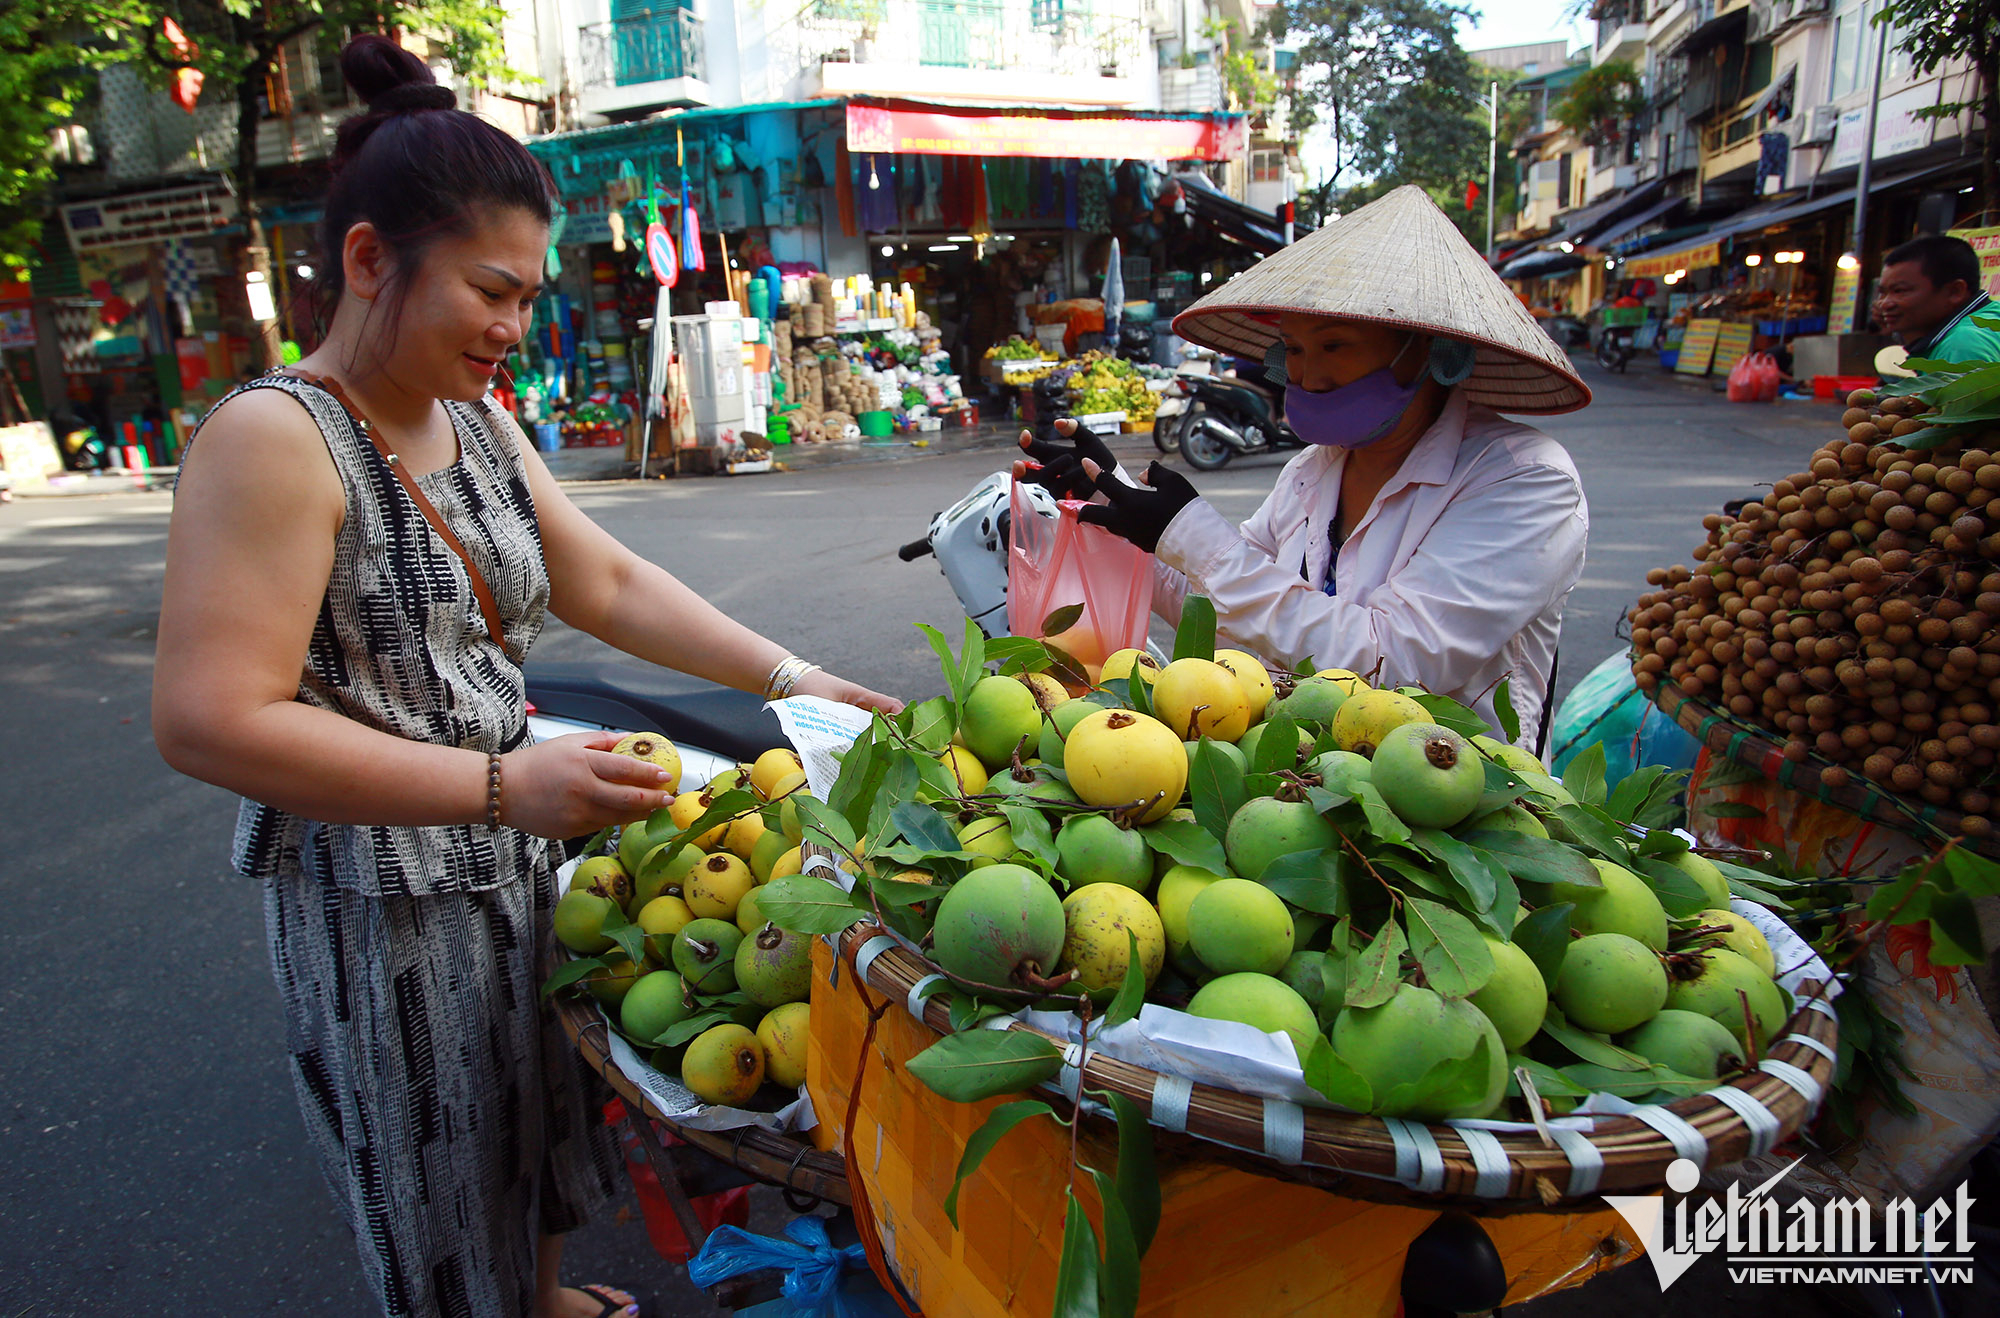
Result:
[1225,416]
[1614,347]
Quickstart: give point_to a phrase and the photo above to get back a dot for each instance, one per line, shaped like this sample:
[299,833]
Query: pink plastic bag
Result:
[1055,563]
[1754,378]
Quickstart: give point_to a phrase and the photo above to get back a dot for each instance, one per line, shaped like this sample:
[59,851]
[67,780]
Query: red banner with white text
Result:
[945,133]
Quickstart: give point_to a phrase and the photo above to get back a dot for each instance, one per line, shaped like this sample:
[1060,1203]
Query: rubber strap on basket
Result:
[1586,1162]
[1496,1170]
[864,1211]
[1763,1124]
[1284,1131]
[1688,1142]
[1800,1080]
[1807,1041]
[1419,1165]
[865,956]
[1822,1006]
[915,1002]
[1171,1096]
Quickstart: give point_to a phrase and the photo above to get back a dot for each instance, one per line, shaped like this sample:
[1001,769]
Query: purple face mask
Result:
[1354,415]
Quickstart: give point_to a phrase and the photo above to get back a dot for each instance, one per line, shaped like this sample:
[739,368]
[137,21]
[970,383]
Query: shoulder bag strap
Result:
[480,590]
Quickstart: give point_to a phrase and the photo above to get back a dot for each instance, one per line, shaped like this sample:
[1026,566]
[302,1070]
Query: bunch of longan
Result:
[1855,612]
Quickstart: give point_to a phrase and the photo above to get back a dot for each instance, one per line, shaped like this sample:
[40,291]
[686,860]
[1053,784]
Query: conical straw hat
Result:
[1397,261]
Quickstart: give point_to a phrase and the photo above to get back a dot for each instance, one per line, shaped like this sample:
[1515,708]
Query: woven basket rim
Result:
[1755,749]
[1358,1155]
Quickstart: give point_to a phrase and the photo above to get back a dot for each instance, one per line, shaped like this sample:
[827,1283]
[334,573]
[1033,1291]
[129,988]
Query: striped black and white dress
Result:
[451,1117]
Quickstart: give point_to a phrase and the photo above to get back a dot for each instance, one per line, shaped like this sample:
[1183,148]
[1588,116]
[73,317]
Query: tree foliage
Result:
[1601,104]
[1399,97]
[1939,32]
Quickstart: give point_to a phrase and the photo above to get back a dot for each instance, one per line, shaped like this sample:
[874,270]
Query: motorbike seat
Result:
[646,699]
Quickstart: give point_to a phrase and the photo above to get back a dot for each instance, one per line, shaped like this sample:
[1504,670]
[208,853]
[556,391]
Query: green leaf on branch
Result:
[1584,778]
[1378,969]
[1031,832]
[807,905]
[822,822]
[1118,1277]
[1062,619]
[1544,936]
[571,972]
[1186,842]
[1675,887]
[1215,784]
[1341,1085]
[1503,706]
[971,662]
[1131,991]
[1017,655]
[948,662]
[693,1026]
[1472,870]
[1648,797]
[923,826]
[1310,880]
[1076,1267]
[1353,782]
[1589,1046]
[929,724]
[894,894]
[1454,958]
[979,1064]
[1594,831]
[1277,746]
[1195,637]
[1533,859]
[859,785]
[1138,1181]
[980,1143]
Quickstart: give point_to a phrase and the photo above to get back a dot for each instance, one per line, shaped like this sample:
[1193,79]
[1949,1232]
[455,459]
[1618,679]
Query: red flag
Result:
[1471,195]
[187,81]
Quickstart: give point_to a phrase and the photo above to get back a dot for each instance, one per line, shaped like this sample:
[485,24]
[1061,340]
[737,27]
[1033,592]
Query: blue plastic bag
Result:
[811,1264]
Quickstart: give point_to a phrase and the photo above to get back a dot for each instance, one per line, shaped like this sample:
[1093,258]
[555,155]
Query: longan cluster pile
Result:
[1853,612]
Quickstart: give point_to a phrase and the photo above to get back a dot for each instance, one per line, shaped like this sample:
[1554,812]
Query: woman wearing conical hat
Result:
[1421,537]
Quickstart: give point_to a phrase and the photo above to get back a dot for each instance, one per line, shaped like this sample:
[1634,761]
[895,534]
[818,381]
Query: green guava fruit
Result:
[1305,974]
[1310,700]
[1429,775]
[1743,938]
[1709,984]
[664,870]
[655,1003]
[1062,720]
[1366,717]
[1179,886]
[1509,756]
[1031,784]
[1623,905]
[1687,1042]
[604,876]
[579,922]
[1703,871]
[1239,925]
[1200,698]
[1610,983]
[1262,1003]
[999,718]
[1426,1058]
[990,836]
[1094,849]
[996,921]
[610,985]
[1507,819]
[705,955]
[724,1065]
[774,966]
[1515,999]
[1265,828]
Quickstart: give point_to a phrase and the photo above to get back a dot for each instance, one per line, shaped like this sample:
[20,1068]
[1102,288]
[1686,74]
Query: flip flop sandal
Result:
[596,1291]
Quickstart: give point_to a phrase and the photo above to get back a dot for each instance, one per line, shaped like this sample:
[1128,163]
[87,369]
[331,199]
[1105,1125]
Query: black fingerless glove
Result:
[1061,472]
[1140,513]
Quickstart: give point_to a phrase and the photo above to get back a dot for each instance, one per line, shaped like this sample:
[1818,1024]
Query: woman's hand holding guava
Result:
[572,785]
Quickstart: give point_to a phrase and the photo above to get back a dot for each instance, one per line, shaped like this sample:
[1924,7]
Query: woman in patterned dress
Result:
[324,652]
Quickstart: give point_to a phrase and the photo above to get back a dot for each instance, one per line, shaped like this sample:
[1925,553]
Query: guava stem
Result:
[1395,896]
[1681,939]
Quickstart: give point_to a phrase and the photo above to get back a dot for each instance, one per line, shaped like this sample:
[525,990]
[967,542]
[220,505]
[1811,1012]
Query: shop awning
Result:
[1540,265]
[919,128]
[1703,252]
[1629,223]
[1577,224]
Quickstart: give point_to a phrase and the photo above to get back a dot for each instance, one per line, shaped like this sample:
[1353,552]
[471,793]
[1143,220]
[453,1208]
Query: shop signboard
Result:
[1986,242]
[1897,129]
[947,133]
[17,328]
[1697,347]
[1665,263]
[589,219]
[1732,345]
[1846,292]
[145,217]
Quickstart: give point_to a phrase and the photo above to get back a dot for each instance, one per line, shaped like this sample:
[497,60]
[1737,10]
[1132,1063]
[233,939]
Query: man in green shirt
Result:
[1928,295]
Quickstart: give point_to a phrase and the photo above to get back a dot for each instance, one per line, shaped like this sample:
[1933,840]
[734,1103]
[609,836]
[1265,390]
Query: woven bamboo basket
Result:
[1445,1165]
[789,1162]
[1727,736]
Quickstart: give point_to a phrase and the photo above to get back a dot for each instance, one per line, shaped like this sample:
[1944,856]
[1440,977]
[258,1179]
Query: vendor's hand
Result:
[568,786]
[1138,513]
[830,686]
[1061,470]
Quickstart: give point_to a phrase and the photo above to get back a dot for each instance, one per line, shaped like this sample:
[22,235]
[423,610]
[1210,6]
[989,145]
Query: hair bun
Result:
[410,96]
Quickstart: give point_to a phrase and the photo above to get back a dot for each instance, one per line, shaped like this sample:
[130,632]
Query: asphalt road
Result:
[151,1157]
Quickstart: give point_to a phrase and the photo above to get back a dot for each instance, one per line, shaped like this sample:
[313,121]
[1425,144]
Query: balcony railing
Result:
[654,47]
[1038,36]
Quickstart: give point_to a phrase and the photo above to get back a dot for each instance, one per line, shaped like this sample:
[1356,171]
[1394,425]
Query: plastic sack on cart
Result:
[812,1268]
[1058,564]
[1606,709]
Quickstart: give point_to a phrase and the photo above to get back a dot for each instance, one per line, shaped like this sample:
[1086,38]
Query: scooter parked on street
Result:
[1227,415]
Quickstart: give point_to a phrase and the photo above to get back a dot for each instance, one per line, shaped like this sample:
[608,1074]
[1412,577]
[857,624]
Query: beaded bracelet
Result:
[492,791]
